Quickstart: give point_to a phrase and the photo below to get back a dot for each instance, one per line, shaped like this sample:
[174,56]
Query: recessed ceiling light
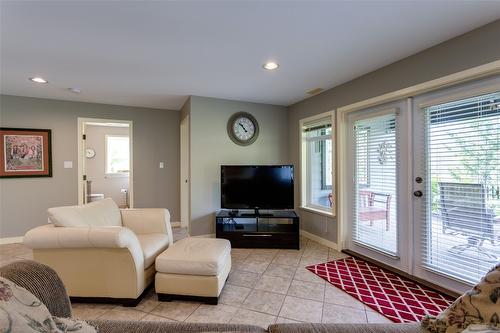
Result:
[271,65]
[38,79]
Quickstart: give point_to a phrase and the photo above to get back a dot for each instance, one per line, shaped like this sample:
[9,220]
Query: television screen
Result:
[257,186]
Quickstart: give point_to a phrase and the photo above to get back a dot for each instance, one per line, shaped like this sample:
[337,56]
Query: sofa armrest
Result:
[148,221]
[43,282]
[120,326]
[52,237]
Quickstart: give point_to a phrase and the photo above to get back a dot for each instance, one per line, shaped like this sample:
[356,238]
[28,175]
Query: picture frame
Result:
[25,152]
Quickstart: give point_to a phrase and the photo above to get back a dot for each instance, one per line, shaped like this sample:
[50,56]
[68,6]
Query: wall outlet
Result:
[68,164]
[162,165]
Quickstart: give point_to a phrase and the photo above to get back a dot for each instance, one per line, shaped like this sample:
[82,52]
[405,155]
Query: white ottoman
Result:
[193,269]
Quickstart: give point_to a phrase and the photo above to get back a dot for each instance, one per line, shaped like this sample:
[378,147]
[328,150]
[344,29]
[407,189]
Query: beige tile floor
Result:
[265,286]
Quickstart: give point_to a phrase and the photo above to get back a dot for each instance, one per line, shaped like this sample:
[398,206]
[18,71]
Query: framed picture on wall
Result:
[25,152]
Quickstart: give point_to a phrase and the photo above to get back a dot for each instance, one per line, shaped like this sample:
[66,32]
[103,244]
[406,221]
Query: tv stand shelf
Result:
[270,229]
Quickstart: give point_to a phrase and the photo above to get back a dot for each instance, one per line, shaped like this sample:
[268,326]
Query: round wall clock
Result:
[243,128]
[89,153]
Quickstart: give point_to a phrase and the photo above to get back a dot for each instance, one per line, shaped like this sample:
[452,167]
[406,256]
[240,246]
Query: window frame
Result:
[114,174]
[305,165]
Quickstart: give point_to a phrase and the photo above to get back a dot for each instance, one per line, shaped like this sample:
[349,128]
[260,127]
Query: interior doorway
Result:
[105,161]
[185,175]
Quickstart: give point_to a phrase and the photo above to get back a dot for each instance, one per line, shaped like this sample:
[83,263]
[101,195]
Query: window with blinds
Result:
[317,164]
[375,183]
[461,231]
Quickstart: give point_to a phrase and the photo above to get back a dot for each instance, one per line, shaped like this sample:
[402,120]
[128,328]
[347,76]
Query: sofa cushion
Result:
[481,305]
[152,245]
[195,256]
[96,214]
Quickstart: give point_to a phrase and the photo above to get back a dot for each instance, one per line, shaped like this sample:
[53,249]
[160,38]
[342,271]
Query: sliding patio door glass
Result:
[460,207]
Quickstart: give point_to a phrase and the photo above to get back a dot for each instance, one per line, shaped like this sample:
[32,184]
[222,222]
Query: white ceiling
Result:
[155,54]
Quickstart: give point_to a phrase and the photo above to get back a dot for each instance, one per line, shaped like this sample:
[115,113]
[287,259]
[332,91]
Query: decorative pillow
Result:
[481,305]
[21,311]
[95,214]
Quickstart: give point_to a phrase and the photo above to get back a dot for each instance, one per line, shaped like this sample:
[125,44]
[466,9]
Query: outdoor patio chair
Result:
[464,211]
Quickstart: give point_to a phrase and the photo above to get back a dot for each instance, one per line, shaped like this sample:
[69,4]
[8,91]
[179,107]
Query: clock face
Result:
[243,128]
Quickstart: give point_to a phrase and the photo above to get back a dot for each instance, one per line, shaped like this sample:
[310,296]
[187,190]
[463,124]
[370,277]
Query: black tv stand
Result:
[269,229]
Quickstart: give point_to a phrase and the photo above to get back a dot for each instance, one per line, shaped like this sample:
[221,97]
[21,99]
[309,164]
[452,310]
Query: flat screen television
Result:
[257,187]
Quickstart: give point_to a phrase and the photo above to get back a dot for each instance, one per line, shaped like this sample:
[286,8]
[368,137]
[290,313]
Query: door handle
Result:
[418,194]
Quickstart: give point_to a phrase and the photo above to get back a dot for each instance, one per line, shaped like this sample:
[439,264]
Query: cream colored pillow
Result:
[95,214]
[21,311]
[479,306]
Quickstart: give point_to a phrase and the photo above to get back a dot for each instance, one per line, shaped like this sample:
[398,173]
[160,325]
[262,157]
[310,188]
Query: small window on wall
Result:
[317,164]
[117,155]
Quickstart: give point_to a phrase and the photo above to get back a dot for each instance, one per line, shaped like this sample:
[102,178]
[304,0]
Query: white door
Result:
[378,197]
[185,188]
[457,202]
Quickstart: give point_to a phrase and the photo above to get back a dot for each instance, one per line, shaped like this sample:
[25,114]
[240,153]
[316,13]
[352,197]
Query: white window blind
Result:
[461,230]
[318,163]
[375,183]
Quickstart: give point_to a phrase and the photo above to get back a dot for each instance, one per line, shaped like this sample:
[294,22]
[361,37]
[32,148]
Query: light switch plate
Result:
[68,164]
[162,165]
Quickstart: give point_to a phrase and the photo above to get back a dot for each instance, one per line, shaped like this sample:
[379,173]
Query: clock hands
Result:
[243,127]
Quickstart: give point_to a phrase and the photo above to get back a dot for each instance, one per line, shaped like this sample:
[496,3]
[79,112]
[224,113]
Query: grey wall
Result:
[472,49]
[95,167]
[211,147]
[23,202]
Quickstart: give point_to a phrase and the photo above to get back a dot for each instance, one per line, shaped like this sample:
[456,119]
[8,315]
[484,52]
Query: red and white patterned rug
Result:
[397,298]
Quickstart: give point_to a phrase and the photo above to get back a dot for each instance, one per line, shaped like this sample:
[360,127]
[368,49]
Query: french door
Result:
[425,194]
[378,163]
[457,162]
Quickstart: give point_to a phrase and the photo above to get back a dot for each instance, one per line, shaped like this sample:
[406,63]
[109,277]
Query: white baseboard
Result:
[318,239]
[204,236]
[11,240]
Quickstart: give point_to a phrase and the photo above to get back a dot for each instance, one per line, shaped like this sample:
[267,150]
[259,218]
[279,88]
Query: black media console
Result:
[272,229]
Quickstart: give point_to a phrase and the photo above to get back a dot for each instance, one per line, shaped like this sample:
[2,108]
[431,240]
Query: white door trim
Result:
[341,121]
[81,154]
